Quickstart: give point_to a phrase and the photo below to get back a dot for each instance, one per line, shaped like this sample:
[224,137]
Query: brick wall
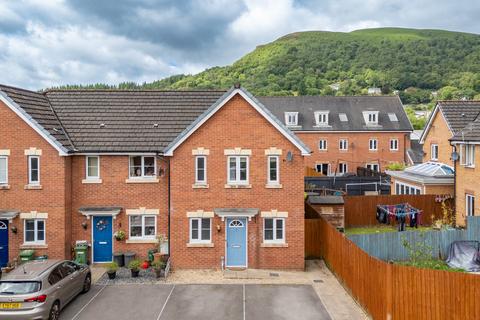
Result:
[438,134]
[467,183]
[237,124]
[52,198]
[358,153]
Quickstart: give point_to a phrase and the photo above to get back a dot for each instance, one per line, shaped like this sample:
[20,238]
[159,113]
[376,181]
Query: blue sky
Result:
[52,42]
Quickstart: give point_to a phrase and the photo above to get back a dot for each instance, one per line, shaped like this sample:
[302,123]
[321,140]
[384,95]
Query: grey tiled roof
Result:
[415,152]
[37,106]
[133,120]
[459,113]
[471,132]
[351,106]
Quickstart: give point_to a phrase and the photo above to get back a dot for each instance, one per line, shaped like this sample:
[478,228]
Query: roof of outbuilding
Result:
[38,108]
[352,106]
[128,120]
[325,200]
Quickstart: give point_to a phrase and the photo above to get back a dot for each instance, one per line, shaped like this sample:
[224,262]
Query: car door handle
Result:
[59,287]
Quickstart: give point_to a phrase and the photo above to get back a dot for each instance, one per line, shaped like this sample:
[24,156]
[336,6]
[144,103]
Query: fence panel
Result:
[361,211]
[312,238]
[390,291]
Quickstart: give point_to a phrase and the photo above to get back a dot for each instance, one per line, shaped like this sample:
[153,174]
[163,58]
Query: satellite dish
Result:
[289,156]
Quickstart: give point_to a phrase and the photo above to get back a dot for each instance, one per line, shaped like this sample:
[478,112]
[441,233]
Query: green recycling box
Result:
[26,255]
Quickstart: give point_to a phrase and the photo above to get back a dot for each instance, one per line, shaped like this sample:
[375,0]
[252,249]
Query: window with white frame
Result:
[371,117]
[467,155]
[373,167]
[469,204]
[321,118]
[201,170]
[373,144]
[393,144]
[322,144]
[342,167]
[238,169]
[273,170]
[403,188]
[92,167]
[142,167]
[200,230]
[3,169]
[34,170]
[434,151]
[274,230]
[34,231]
[291,118]
[323,168]
[343,144]
[143,226]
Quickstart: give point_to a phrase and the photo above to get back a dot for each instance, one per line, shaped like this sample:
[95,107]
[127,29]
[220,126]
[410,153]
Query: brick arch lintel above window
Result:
[142,211]
[274,214]
[33,152]
[237,152]
[200,151]
[200,214]
[272,151]
[33,215]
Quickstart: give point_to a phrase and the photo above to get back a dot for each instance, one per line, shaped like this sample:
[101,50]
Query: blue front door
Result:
[102,239]
[236,242]
[3,243]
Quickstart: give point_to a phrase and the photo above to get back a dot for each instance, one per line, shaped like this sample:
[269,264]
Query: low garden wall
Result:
[388,246]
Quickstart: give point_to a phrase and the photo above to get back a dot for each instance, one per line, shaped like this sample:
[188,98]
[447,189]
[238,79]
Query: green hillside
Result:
[307,63]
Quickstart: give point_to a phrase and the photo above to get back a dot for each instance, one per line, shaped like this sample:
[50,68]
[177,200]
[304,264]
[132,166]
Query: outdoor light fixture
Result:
[84,225]
[14,229]
[219,228]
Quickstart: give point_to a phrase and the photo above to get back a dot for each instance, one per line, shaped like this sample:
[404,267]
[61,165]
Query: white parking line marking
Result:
[89,301]
[244,302]
[165,304]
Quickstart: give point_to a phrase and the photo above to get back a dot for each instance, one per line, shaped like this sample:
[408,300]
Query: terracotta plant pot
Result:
[112,275]
[134,273]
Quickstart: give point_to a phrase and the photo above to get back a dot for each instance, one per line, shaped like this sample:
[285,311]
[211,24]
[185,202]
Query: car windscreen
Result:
[19,287]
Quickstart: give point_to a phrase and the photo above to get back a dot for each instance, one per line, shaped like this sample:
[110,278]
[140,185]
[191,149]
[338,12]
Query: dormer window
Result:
[321,118]
[371,117]
[291,118]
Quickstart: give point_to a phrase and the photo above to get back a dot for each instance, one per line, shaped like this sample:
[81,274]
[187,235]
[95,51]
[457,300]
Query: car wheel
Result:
[87,284]
[54,311]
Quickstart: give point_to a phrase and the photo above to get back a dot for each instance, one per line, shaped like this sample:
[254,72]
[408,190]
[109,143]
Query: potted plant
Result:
[120,235]
[134,267]
[158,268]
[112,268]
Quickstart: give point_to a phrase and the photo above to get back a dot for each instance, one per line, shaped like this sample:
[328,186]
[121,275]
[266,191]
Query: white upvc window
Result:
[343,144]
[34,231]
[291,118]
[469,205]
[274,230]
[322,144]
[200,230]
[373,144]
[142,167]
[342,167]
[403,188]
[3,170]
[434,151]
[323,168]
[200,170]
[273,165]
[373,167]
[321,118]
[393,144]
[92,167]
[467,155]
[142,226]
[33,170]
[370,117]
[238,170]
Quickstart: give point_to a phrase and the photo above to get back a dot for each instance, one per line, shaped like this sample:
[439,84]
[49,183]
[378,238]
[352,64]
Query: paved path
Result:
[199,302]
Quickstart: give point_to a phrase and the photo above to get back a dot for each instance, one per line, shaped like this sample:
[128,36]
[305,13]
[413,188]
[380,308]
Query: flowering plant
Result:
[120,235]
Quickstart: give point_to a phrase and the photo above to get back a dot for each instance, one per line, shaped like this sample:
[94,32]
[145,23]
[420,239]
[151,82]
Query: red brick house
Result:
[215,172]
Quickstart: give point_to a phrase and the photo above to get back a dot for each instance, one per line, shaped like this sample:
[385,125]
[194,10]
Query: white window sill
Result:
[141,180]
[200,186]
[152,241]
[33,187]
[322,150]
[273,186]
[470,166]
[91,181]
[199,245]
[238,186]
[373,150]
[34,246]
[274,245]
[4,186]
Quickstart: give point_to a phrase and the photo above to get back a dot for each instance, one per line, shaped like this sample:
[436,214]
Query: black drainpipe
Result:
[455,185]
[169,207]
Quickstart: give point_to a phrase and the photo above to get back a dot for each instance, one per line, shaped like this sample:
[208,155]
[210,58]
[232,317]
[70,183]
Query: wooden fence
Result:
[312,238]
[390,291]
[361,211]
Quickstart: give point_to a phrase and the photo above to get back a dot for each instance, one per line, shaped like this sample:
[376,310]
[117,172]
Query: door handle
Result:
[1,248]
[236,246]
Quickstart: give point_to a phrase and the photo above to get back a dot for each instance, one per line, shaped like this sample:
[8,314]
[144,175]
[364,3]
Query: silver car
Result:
[40,289]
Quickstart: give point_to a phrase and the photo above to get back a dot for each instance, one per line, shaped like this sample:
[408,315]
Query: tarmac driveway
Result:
[199,302]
